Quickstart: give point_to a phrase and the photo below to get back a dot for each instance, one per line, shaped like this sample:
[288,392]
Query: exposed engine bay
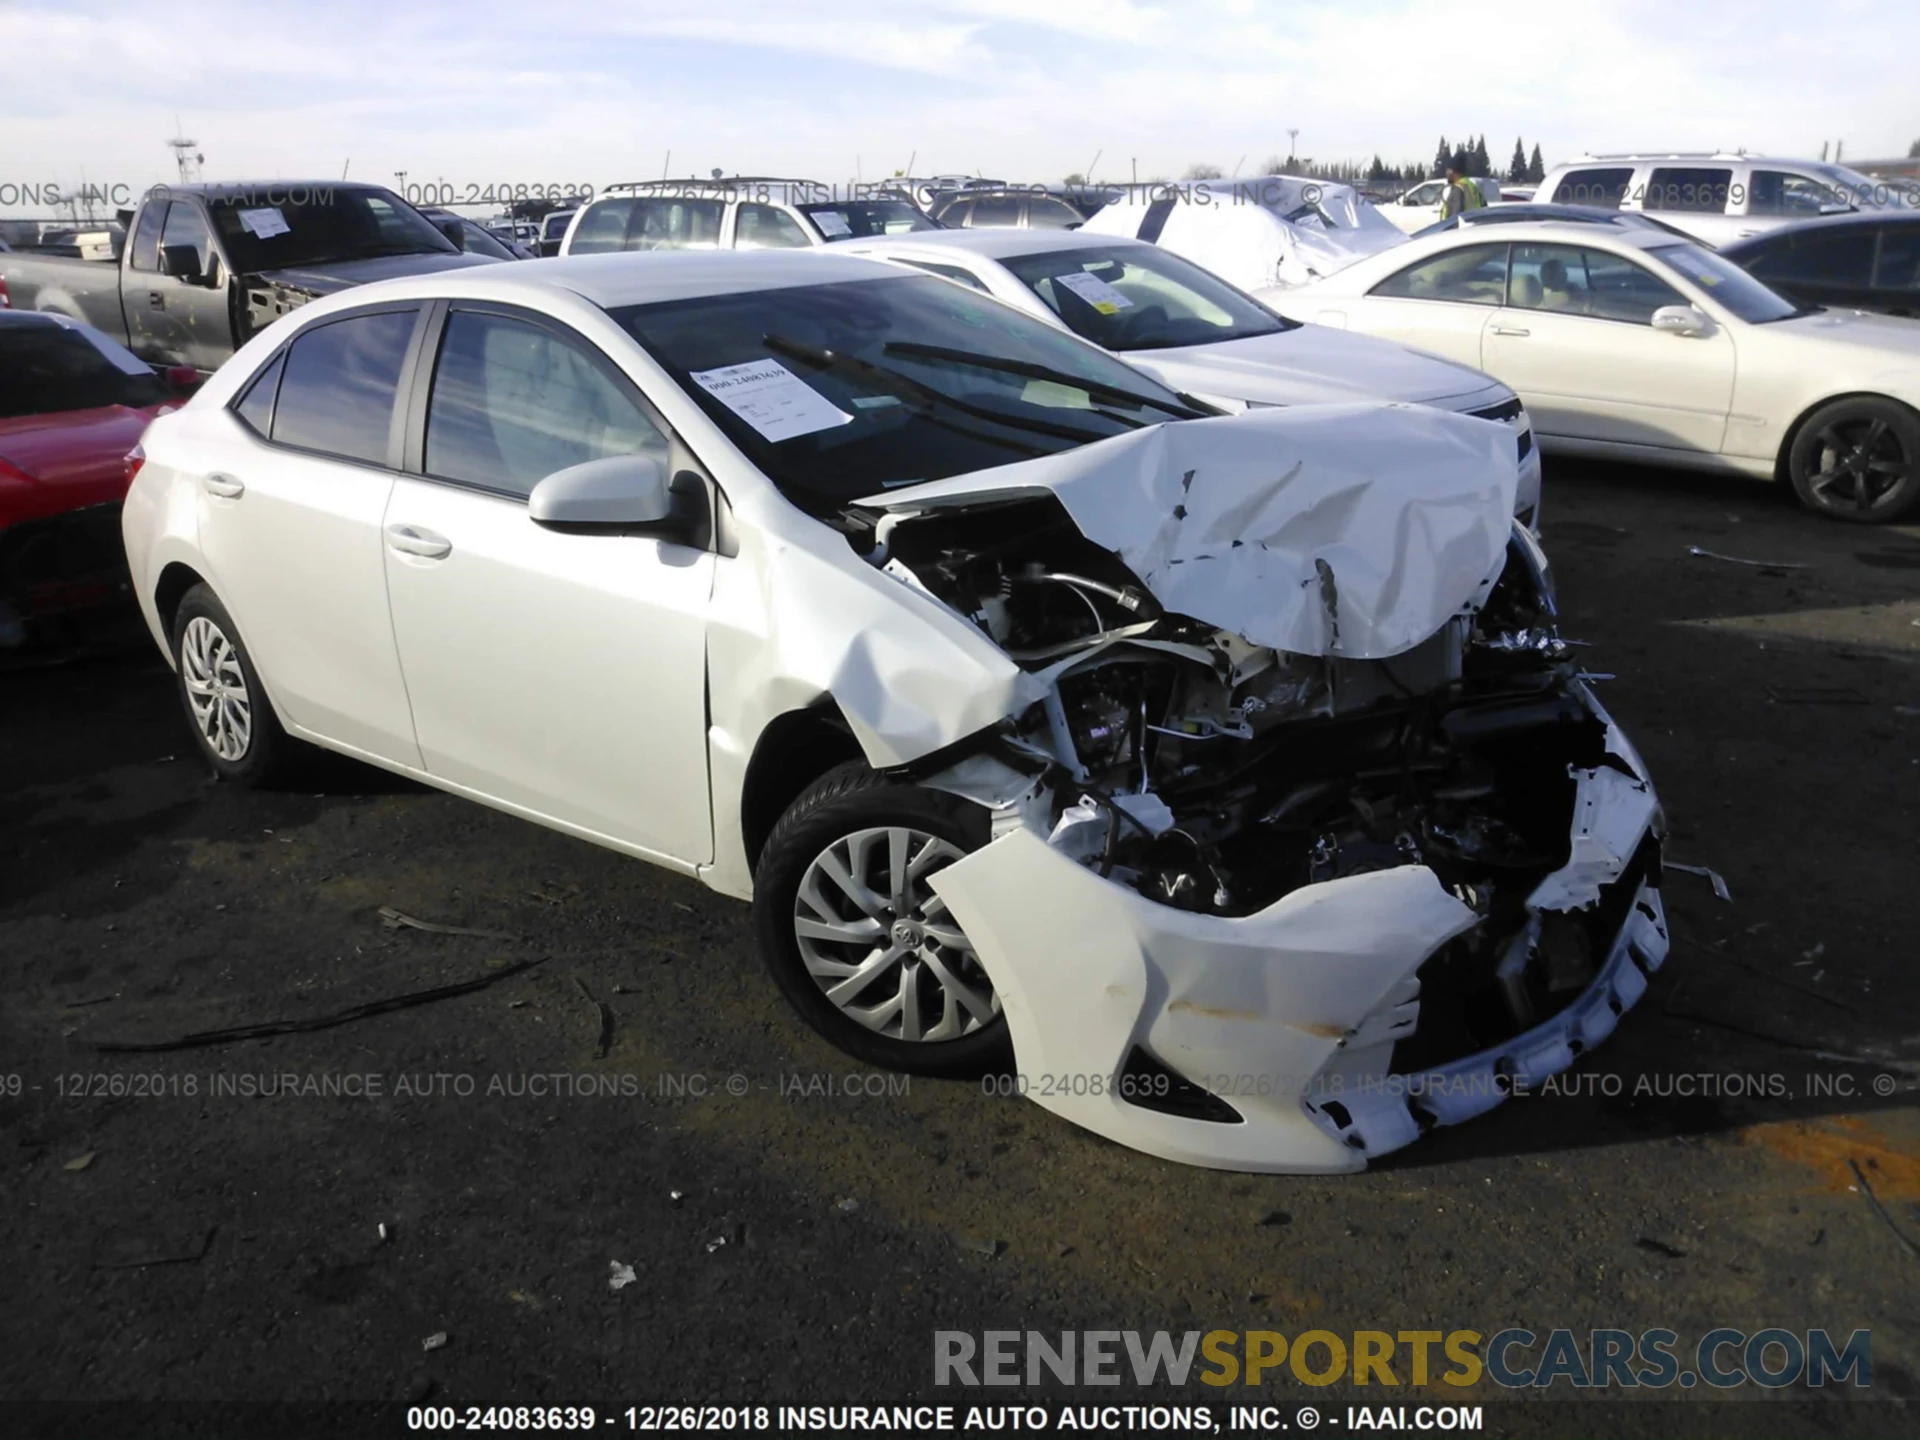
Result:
[1216,776]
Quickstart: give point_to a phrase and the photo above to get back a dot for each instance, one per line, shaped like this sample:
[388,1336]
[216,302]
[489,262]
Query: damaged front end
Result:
[1275,908]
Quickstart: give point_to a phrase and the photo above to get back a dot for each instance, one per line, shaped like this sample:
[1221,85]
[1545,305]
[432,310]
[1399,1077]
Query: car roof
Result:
[634,278]
[1821,223]
[29,317]
[1570,231]
[996,242]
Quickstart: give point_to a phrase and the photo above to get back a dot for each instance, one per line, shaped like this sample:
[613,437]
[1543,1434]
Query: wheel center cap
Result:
[907,934]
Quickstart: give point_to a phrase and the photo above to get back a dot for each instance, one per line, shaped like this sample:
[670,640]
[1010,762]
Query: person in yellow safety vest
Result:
[1462,192]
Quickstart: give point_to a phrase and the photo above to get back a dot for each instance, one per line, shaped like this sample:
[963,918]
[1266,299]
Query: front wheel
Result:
[855,936]
[1858,460]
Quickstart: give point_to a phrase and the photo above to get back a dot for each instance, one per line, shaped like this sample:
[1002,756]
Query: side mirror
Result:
[619,490]
[182,263]
[1679,320]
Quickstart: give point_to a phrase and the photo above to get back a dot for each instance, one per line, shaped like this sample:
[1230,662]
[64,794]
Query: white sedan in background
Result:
[1640,345]
[1045,720]
[1194,332]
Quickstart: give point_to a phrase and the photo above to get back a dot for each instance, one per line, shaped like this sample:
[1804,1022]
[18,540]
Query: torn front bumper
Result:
[1266,1042]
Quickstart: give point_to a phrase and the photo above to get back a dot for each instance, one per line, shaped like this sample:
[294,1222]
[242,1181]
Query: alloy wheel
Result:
[882,946]
[1857,464]
[216,689]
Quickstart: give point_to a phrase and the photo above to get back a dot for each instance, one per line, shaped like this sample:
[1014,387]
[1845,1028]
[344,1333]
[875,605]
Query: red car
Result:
[73,403]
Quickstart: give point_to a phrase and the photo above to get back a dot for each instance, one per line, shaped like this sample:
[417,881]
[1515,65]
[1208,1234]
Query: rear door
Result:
[1693,197]
[1821,266]
[1576,343]
[289,515]
[1440,304]
[563,675]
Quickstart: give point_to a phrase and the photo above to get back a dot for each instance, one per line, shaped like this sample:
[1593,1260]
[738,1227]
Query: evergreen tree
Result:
[1442,157]
[1377,170]
[1536,168]
[1517,171]
[1478,163]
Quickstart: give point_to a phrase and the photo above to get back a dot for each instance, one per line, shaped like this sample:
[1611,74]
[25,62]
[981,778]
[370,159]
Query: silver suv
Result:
[742,213]
[1724,196]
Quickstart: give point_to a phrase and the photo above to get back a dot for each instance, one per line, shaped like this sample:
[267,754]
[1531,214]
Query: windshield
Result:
[863,219]
[265,230]
[841,391]
[51,368]
[1140,297]
[1727,283]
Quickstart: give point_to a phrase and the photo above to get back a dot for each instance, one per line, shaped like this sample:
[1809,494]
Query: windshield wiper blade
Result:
[825,359]
[1033,370]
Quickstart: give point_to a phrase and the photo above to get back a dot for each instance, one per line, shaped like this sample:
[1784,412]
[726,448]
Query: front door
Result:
[563,675]
[175,319]
[1576,343]
[1439,304]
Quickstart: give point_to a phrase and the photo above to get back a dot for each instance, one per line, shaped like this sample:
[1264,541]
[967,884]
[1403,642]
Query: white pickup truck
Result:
[1419,207]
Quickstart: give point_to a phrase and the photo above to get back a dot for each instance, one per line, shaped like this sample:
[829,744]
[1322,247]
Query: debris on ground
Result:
[434,1341]
[619,1276]
[396,919]
[317,1022]
[80,1162]
[1661,1247]
[1860,1177]
[975,1245]
[676,1196]
[383,1232]
[1275,1217]
[715,1243]
[848,1206]
[133,1253]
[605,1013]
[1712,876]
[1816,695]
[1757,564]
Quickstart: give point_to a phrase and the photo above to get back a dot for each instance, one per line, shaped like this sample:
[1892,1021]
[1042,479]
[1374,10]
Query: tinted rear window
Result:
[1603,186]
[50,368]
[1697,189]
[336,396]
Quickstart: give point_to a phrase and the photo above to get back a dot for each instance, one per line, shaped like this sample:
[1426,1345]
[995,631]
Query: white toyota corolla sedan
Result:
[1640,345]
[1226,775]
[1194,332]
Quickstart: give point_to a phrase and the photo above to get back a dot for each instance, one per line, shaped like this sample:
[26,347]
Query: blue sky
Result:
[554,91]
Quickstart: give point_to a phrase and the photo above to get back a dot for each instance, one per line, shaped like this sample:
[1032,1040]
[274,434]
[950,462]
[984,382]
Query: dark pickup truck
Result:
[206,266]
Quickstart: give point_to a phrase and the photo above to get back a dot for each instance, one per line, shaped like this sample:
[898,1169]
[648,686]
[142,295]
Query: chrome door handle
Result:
[1510,330]
[412,540]
[223,485]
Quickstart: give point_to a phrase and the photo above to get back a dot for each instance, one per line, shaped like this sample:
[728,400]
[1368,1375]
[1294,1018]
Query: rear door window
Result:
[1048,214]
[1840,257]
[767,227]
[995,210]
[1698,190]
[1472,275]
[603,227]
[337,392]
[513,402]
[1899,265]
[676,223]
[1603,186]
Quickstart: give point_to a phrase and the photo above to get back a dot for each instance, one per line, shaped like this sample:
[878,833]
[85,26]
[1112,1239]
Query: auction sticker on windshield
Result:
[265,222]
[832,223]
[771,398]
[1095,291]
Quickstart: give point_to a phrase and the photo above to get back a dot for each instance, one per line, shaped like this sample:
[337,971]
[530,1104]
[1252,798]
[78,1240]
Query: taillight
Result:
[136,457]
[6,300]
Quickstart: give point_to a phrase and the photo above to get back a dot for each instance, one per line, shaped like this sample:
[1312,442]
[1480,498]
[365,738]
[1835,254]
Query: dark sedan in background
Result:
[1855,262]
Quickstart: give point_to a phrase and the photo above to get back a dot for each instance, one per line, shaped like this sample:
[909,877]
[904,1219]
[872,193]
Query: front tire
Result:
[233,723]
[856,939]
[1858,460]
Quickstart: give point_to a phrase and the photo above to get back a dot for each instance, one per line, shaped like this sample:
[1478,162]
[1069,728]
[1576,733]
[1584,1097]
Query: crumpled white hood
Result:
[1352,530]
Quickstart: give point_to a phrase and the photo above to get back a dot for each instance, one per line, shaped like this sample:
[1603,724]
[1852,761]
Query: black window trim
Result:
[395,425]
[417,396]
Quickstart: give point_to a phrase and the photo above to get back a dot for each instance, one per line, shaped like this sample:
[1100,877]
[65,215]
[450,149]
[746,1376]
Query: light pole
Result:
[1292,135]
